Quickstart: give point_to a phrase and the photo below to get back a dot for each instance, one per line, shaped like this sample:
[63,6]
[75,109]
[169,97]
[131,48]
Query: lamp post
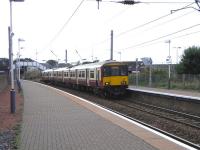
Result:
[11,34]
[120,54]
[169,65]
[19,48]
[177,55]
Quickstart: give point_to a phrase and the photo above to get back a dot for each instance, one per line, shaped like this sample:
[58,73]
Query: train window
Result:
[79,74]
[115,71]
[106,71]
[91,74]
[124,70]
[83,74]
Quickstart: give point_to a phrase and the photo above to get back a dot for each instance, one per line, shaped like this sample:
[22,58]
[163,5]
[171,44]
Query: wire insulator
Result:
[128,2]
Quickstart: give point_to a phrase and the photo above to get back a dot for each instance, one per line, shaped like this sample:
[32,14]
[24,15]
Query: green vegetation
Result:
[190,62]
[15,144]
[185,75]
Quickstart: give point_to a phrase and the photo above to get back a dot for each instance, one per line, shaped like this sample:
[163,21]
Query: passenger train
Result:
[109,78]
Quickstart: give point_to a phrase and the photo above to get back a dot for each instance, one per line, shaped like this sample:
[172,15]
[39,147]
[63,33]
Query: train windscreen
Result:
[115,71]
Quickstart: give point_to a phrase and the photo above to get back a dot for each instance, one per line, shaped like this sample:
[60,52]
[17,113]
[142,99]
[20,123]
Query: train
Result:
[107,78]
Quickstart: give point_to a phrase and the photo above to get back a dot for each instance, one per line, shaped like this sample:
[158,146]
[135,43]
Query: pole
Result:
[150,75]
[136,69]
[169,68]
[12,92]
[9,54]
[19,60]
[111,48]
[66,56]
[120,53]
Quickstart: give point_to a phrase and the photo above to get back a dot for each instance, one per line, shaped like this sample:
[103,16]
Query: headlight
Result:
[107,83]
[123,82]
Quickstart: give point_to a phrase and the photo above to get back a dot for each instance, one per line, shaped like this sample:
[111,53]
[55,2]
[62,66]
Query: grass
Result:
[15,144]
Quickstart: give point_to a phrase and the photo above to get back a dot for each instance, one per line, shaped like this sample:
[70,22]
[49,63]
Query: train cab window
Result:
[115,71]
[124,70]
[106,71]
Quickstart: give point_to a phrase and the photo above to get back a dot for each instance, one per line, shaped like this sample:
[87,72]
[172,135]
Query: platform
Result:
[170,92]
[56,120]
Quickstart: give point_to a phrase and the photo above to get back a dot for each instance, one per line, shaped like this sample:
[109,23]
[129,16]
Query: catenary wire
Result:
[142,25]
[177,37]
[64,25]
[161,37]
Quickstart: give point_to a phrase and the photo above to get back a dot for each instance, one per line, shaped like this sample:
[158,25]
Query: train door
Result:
[62,77]
[87,77]
[76,77]
[97,77]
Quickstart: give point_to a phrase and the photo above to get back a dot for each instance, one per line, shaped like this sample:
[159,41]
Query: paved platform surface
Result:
[54,120]
[193,94]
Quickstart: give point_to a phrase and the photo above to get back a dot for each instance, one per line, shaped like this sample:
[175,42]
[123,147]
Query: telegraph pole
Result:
[111,47]
[66,56]
[169,66]
[136,69]
[12,91]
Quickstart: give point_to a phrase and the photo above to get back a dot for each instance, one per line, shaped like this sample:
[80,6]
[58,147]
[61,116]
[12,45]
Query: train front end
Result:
[115,79]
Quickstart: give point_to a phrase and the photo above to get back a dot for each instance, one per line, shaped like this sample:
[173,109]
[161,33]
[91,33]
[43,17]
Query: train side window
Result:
[83,74]
[92,74]
[79,74]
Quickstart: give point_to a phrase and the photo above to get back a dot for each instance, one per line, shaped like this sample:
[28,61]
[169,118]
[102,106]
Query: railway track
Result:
[175,116]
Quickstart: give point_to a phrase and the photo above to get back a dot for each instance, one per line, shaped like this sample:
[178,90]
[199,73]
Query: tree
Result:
[52,63]
[190,61]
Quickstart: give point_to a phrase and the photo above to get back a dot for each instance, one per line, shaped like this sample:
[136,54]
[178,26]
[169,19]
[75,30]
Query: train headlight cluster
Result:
[107,83]
[123,82]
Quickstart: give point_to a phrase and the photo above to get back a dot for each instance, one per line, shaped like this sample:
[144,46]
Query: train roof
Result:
[96,65]
[48,70]
[61,69]
[87,66]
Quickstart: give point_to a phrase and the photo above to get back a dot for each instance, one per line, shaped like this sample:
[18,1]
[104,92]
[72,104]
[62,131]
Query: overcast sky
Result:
[88,31]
